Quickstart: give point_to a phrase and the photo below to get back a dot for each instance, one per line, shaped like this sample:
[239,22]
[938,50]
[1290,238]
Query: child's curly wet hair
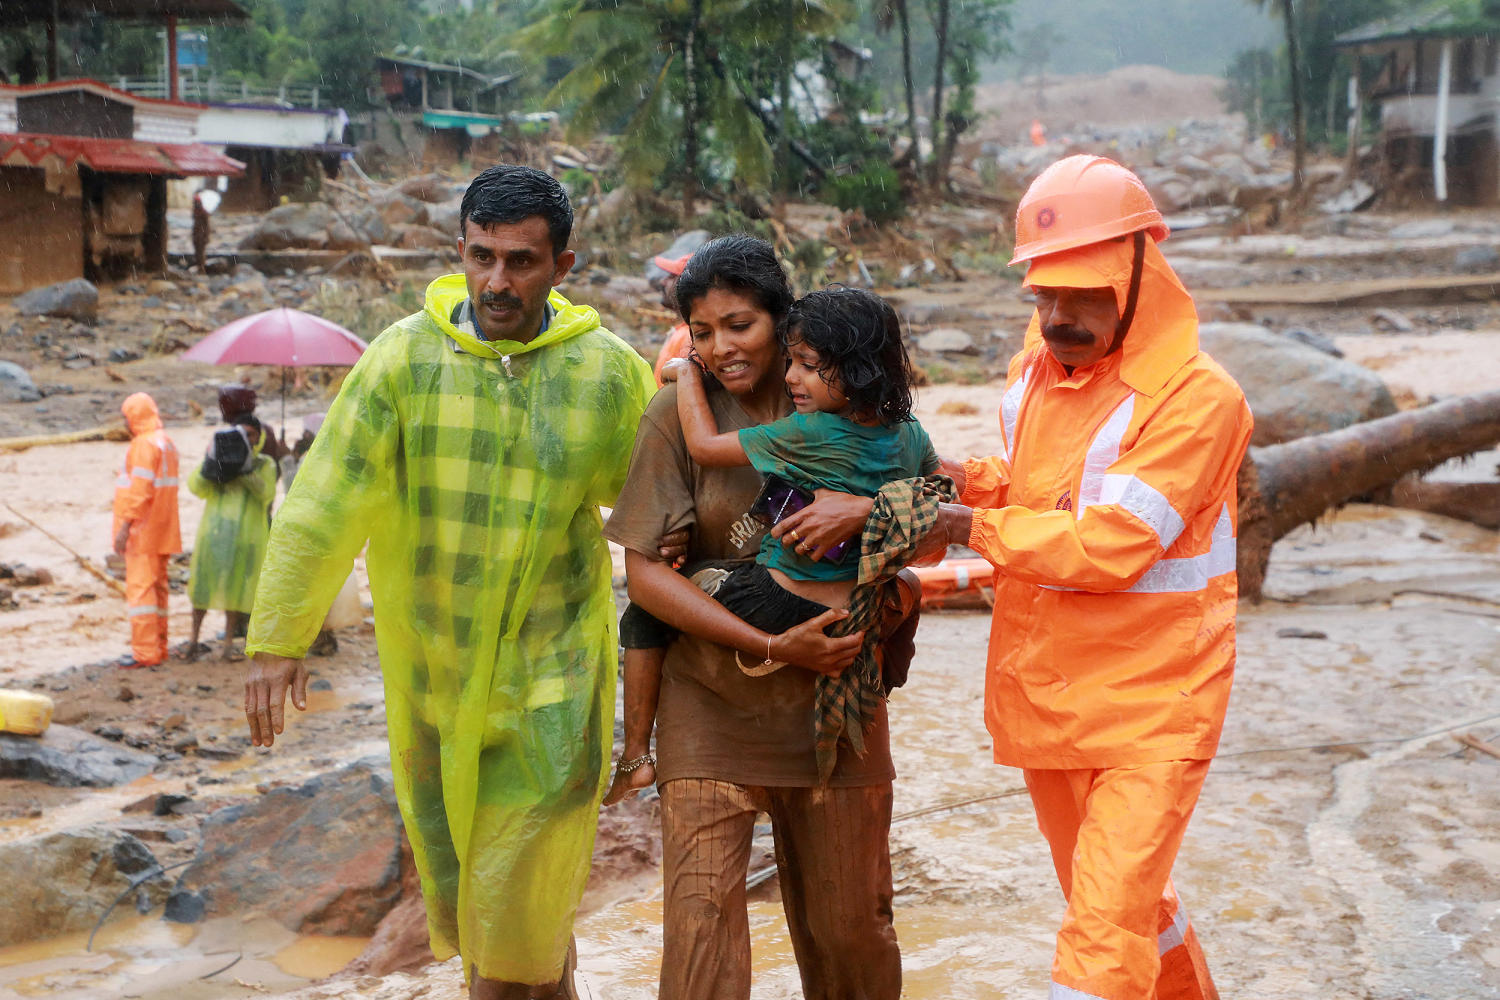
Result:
[858,339]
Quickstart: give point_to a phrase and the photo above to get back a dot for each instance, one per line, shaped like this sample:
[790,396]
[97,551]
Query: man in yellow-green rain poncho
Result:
[472,446]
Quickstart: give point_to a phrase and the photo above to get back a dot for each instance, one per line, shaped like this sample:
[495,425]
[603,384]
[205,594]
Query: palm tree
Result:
[659,66]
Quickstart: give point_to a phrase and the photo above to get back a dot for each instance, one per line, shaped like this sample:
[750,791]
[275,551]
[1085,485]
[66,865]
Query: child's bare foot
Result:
[630,777]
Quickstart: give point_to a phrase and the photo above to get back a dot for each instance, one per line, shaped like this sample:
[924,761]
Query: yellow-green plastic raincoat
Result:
[476,470]
[231,539]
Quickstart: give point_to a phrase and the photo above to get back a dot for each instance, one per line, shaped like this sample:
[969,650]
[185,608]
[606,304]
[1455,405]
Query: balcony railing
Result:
[215,91]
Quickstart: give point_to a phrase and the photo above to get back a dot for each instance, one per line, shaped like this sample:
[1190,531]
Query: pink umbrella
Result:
[284,337]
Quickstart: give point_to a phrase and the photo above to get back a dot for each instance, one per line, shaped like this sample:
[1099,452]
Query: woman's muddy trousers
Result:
[1114,835]
[833,858]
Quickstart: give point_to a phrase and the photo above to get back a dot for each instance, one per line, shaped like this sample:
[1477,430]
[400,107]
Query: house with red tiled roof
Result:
[83,180]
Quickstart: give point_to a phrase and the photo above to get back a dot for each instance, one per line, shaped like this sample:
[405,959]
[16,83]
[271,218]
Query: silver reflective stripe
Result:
[1010,409]
[1176,934]
[1182,576]
[122,480]
[1061,992]
[1102,453]
[145,609]
[1145,502]
[142,473]
[167,481]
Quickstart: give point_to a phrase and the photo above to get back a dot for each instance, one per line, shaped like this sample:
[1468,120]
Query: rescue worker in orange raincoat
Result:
[146,528]
[1109,515]
[678,343]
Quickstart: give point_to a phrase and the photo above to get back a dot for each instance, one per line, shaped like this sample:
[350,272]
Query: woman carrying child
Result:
[730,743]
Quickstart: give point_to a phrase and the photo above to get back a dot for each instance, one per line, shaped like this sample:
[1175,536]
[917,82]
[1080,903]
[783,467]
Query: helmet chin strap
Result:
[1137,264]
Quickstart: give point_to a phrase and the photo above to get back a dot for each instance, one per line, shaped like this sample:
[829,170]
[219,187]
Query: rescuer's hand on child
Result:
[267,682]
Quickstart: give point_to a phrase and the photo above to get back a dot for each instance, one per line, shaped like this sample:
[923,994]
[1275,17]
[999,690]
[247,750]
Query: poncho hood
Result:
[445,294]
[140,413]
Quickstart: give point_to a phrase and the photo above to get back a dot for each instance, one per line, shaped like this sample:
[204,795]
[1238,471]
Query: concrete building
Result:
[1434,71]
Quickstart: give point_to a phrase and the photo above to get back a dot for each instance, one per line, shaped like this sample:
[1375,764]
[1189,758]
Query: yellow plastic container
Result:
[24,712]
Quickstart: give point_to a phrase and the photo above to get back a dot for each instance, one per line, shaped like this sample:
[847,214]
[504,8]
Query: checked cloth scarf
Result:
[905,510]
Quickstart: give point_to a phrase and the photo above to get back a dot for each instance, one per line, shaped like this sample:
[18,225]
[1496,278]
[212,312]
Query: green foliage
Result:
[1250,88]
[874,189]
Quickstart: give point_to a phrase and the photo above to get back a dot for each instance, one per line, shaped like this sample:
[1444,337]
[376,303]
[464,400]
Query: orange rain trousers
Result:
[146,604]
[1114,834]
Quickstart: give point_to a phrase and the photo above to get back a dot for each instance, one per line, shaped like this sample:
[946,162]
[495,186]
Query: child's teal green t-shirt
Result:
[824,451]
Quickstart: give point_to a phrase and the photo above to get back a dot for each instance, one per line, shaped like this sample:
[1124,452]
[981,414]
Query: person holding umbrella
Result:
[472,447]
[237,482]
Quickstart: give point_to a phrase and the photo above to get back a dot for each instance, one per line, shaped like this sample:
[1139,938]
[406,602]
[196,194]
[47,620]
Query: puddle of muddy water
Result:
[148,958]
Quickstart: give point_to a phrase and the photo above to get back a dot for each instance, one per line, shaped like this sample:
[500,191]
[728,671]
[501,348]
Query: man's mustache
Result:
[492,300]
[1067,334]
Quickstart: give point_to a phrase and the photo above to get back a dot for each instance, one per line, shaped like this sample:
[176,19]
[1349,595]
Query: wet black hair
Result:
[508,193]
[858,339]
[738,263]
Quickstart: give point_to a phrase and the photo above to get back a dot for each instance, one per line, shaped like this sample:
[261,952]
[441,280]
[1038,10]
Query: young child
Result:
[849,379]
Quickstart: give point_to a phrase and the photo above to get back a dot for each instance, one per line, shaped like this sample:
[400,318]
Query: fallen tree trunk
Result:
[110,432]
[1286,485]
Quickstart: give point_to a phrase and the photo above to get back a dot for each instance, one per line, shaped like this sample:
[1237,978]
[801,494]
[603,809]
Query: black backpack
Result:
[228,458]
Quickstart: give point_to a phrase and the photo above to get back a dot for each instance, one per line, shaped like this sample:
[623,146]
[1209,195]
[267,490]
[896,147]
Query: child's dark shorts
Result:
[745,588]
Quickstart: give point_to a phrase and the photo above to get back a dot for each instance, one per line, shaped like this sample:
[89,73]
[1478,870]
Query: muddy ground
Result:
[1346,842]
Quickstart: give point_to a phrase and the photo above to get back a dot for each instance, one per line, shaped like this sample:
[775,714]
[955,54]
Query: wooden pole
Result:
[81,560]
[172,56]
[1440,130]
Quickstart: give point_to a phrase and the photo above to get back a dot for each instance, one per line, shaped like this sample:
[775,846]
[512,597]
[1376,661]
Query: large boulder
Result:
[399,210]
[302,226]
[70,758]
[1294,390]
[63,882]
[322,858]
[75,299]
[444,217]
[16,385]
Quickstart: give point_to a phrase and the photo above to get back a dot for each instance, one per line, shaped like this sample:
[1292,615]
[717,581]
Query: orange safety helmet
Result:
[1080,200]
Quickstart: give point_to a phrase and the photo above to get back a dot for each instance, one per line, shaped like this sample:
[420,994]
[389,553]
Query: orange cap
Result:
[672,265]
[1081,200]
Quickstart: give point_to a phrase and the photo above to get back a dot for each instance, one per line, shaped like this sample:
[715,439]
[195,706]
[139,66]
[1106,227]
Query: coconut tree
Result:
[654,70]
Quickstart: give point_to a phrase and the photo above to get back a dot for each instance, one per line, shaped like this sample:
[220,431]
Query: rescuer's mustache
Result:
[1067,335]
[491,300]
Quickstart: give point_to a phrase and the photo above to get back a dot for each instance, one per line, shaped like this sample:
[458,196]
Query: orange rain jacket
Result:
[146,489]
[1110,516]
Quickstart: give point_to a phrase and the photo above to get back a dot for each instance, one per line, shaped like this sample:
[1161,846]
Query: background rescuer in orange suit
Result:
[146,529]
[1109,515]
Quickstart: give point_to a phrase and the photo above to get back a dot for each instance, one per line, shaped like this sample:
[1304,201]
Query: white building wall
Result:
[8,113]
[153,125]
[272,128]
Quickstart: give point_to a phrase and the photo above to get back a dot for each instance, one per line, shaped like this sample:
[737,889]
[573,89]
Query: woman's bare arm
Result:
[699,429]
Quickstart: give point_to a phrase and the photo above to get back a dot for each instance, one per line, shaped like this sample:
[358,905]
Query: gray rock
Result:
[77,299]
[123,354]
[947,339]
[1421,229]
[1390,319]
[69,758]
[1317,341]
[301,226]
[64,881]
[323,857]
[15,385]
[185,907]
[1476,260]
[444,217]
[1294,390]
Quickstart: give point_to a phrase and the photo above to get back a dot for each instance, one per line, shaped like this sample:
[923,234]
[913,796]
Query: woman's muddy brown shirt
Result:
[713,721]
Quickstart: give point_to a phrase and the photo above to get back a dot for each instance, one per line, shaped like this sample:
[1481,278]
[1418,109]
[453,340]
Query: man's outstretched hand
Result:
[266,683]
